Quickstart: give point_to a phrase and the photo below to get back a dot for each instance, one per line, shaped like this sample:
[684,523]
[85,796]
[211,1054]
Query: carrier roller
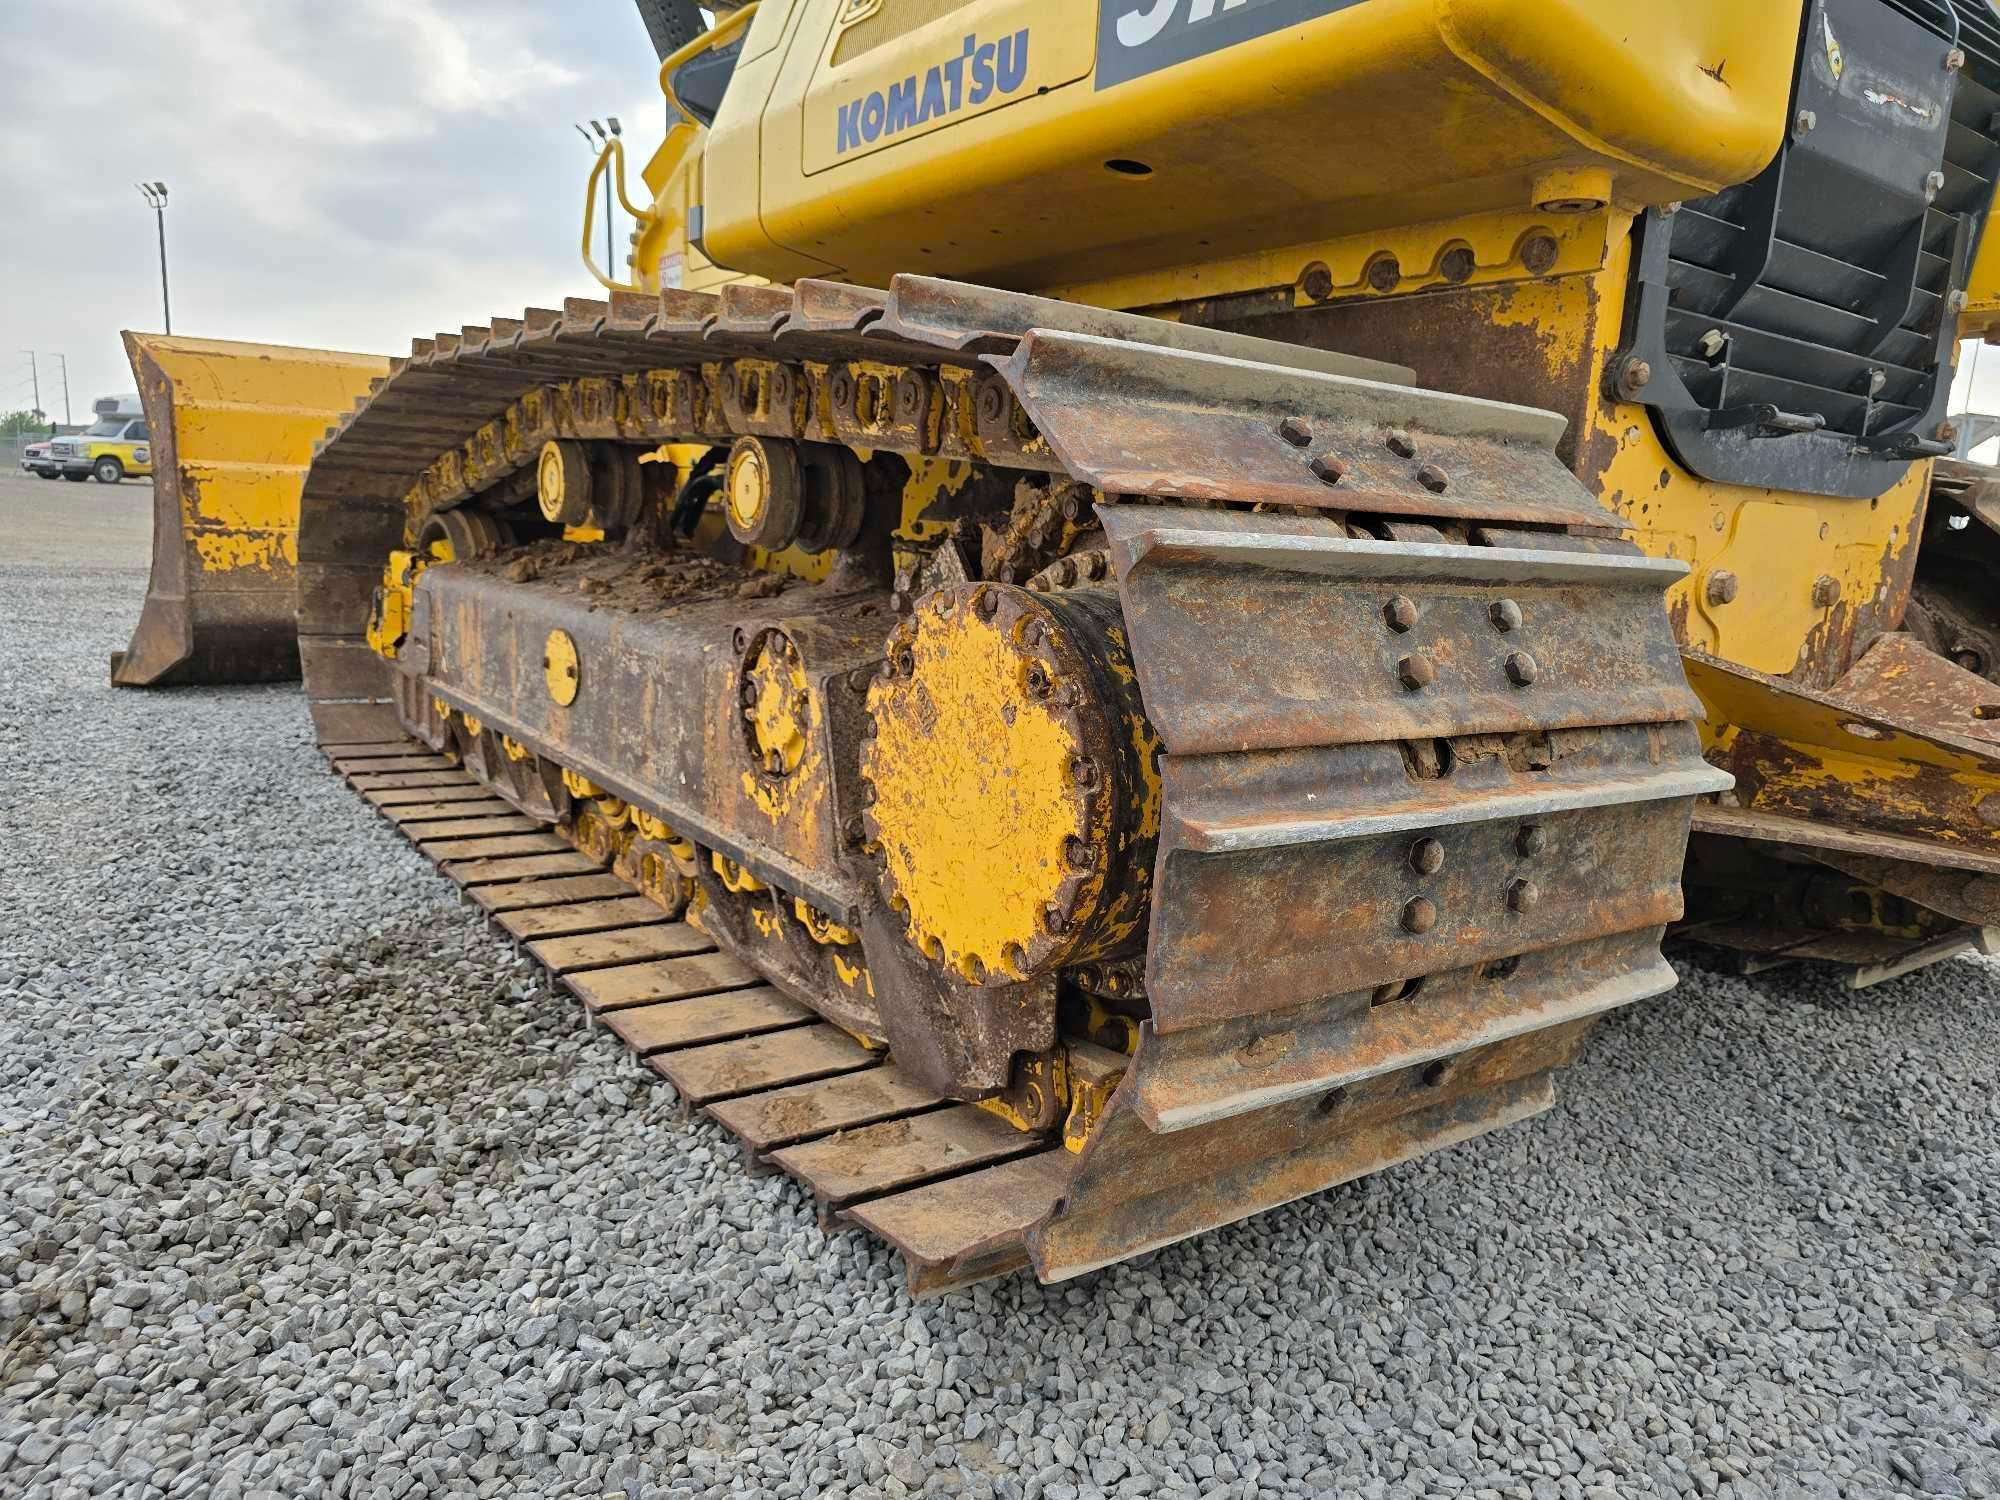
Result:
[1199,772]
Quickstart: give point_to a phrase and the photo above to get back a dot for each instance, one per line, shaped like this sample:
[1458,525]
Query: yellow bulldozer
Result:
[1129,610]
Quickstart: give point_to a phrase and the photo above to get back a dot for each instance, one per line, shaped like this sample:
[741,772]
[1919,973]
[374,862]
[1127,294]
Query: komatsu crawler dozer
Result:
[1124,612]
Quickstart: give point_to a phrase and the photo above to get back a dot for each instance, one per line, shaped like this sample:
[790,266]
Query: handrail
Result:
[612,148]
[723,32]
[729,28]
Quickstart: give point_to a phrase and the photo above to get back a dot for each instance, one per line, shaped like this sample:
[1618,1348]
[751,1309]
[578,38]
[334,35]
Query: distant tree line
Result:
[20,424]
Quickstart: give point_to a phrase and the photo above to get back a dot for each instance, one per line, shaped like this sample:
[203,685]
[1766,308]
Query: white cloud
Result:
[346,175]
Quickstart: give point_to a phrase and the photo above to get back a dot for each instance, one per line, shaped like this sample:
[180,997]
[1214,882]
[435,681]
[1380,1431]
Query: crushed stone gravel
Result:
[310,1187]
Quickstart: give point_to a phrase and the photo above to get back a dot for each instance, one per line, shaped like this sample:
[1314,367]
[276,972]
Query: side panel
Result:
[1461,106]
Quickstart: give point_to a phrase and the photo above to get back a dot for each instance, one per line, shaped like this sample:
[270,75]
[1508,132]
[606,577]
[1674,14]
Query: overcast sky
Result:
[342,173]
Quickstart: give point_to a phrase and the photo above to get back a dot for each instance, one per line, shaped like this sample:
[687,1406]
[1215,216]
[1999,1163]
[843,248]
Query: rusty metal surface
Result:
[1872,762]
[403,761]
[660,979]
[505,820]
[1298,644]
[647,1029]
[651,654]
[530,894]
[930,312]
[763,929]
[496,871]
[432,809]
[968,1228]
[498,846]
[1269,1056]
[429,803]
[1901,679]
[444,397]
[1344,904]
[629,945]
[1131,420]
[1375,932]
[578,918]
[1135,1190]
[1972,487]
[874,1159]
[1968,895]
[952,1232]
[407,781]
[1517,360]
[781,1116]
[702,1074]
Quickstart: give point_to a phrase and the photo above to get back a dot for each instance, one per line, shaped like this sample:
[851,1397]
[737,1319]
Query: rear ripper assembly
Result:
[1052,780]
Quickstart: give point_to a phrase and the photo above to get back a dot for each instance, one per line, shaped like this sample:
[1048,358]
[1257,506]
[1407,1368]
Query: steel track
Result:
[1429,753]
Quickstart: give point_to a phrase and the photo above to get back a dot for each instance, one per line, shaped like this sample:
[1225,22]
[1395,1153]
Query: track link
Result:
[1424,756]
[951,1187]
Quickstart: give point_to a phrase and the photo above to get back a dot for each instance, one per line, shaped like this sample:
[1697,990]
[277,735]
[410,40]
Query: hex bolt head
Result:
[1317,282]
[1432,478]
[1328,470]
[1523,896]
[1420,914]
[1722,587]
[1400,613]
[1416,671]
[1531,840]
[1933,182]
[1522,669]
[1402,444]
[1538,253]
[1954,60]
[1505,615]
[1384,271]
[1634,376]
[1427,856]
[1296,430]
[1824,591]
[1805,120]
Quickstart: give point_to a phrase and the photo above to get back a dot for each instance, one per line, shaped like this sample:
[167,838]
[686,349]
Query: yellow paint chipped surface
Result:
[975,792]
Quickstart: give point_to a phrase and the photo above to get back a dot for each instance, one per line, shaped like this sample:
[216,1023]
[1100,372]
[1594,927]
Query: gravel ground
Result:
[308,1187]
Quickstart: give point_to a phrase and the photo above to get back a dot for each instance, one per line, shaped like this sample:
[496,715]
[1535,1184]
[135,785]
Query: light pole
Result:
[155,193]
[63,360]
[34,379]
[596,147]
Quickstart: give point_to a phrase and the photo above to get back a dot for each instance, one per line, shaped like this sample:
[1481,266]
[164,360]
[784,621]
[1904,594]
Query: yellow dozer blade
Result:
[233,427]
